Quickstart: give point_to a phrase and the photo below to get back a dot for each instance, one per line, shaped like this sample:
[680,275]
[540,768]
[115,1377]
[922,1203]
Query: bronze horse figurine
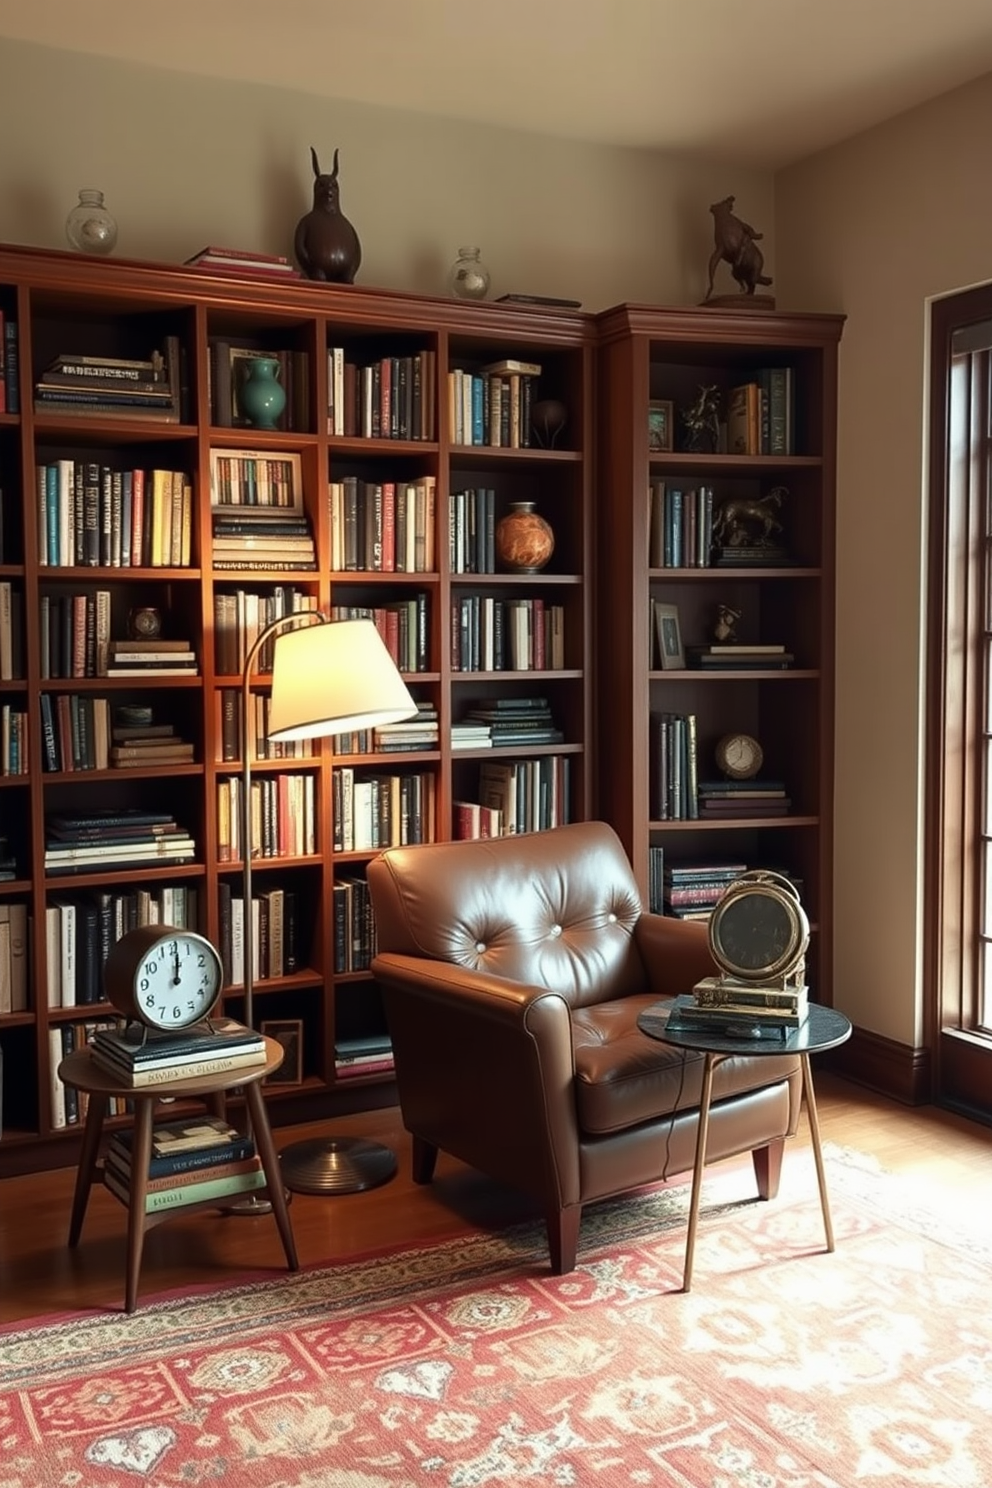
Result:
[736,244]
[749,520]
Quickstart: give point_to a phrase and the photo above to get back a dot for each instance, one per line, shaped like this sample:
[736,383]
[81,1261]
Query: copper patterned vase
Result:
[524,540]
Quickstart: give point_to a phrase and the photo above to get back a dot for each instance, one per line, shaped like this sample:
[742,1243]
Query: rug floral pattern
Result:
[469,1364]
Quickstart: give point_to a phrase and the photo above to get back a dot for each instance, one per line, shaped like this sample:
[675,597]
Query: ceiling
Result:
[756,82]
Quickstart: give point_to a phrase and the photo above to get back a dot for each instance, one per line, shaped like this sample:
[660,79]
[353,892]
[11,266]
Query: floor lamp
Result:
[328,677]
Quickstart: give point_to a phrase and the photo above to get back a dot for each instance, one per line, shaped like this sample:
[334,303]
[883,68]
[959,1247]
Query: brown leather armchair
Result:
[513,973]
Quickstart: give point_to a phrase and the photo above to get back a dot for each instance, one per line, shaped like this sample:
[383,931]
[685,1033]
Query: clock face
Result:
[758,933]
[166,978]
[145,623]
[739,756]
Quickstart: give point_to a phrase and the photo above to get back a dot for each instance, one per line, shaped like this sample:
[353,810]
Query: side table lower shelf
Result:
[79,1071]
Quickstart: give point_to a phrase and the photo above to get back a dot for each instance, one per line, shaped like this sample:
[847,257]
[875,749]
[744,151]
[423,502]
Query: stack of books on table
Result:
[215,260]
[728,1008]
[113,387]
[728,800]
[139,1057]
[738,656]
[192,1161]
[690,891]
[151,658]
[515,722]
[98,841]
[262,537]
[372,1055]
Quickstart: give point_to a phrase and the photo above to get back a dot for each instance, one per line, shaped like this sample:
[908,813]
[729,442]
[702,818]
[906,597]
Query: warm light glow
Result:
[334,677]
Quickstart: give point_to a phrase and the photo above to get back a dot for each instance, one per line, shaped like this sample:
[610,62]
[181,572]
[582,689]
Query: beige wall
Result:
[184,161]
[874,228]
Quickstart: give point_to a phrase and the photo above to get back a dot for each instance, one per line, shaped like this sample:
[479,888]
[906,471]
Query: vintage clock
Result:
[163,977]
[759,932]
[144,623]
[739,755]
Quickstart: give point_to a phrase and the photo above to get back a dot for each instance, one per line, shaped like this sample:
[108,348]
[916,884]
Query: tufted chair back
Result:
[556,909]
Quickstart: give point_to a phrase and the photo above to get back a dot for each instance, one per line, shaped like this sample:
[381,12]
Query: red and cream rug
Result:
[469,1364]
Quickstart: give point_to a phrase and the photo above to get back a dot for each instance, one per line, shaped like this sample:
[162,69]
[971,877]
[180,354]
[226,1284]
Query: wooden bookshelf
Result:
[63,303]
[650,355]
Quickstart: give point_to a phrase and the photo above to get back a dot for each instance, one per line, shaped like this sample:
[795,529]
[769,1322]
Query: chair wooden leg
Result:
[424,1158]
[563,1238]
[768,1167]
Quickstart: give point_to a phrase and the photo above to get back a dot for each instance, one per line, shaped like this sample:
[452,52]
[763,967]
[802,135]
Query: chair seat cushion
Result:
[624,1078]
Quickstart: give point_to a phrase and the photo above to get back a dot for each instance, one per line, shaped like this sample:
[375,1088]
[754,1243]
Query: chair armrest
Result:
[676,953]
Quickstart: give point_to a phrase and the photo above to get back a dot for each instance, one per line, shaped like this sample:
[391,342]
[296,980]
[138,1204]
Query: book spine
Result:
[190,1193]
[176,1177]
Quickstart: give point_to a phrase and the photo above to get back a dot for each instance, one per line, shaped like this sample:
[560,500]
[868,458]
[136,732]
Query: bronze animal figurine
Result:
[749,520]
[736,244]
[326,244]
[701,423]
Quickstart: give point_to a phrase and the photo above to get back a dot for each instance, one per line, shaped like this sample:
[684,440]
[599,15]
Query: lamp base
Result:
[336,1165]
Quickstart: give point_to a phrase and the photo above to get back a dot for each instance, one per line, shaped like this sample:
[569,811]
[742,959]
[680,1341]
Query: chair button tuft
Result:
[612,918]
[480,946]
[555,930]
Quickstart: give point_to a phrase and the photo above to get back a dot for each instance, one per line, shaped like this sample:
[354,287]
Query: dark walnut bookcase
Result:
[648,354]
[63,303]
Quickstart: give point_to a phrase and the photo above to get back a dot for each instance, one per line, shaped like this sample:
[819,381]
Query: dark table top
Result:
[825,1028]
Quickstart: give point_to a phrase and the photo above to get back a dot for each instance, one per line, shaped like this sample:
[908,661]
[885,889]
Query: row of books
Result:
[227,370]
[392,398]
[241,615]
[375,811]
[492,406]
[99,841]
[255,478]
[275,933]
[113,387]
[472,531]
[404,626]
[10,369]
[761,414]
[228,704]
[413,734]
[13,741]
[283,817]
[383,526]
[74,634]
[515,635]
[15,956]
[193,1161]
[67,1105]
[529,795]
[95,516]
[11,632]
[353,925]
[355,1057]
[80,931]
[680,525]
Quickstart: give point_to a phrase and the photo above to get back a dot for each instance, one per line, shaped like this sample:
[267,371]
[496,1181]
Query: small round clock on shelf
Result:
[163,977]
[739,756]
[144,623]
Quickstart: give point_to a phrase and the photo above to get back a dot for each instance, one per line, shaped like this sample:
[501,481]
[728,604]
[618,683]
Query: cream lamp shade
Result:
[333,678]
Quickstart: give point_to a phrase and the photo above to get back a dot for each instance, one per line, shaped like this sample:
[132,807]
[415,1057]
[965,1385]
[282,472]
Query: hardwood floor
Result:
[39,1275]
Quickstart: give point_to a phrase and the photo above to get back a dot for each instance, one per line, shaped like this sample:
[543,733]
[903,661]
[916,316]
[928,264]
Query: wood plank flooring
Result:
[39,1275]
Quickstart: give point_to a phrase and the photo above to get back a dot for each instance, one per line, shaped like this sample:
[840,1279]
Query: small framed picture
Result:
[289,1033]
[671,655]
[661,415]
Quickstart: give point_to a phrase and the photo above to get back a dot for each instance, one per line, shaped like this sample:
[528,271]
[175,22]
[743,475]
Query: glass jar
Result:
[89,226]
[469,277]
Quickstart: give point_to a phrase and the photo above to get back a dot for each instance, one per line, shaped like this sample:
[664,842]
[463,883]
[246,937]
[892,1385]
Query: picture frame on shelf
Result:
[661,426]
[671,652]
[289,1033]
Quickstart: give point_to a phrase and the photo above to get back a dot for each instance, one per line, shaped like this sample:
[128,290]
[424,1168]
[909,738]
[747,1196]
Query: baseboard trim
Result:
[883,1064]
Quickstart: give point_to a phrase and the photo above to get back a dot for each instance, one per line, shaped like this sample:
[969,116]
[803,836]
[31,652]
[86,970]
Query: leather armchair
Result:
[513,973]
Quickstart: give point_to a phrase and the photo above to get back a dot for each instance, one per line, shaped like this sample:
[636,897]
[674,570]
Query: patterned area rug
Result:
[469,1364]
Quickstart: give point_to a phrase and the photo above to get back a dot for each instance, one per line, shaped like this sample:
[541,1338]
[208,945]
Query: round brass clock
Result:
[759,932]
[163,977]
[739,755]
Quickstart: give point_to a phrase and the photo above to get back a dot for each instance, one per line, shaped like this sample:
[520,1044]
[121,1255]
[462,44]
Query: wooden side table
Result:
[79,1070]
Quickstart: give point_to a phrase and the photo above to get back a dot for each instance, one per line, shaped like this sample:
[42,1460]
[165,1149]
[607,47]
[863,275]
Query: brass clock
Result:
[739,756]
[163,977]
[759,932]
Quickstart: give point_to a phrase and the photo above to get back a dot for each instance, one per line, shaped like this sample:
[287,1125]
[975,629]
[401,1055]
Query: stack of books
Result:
[354,1057]
[215,260]
[727,1008]
[412,734]
[690,891]
[113,387]
[192,1161]
[262,537]
[140,1057]
[471,734]
[134,745]
[517,721]
[739,657]
[98,841]
[729,800]
[152,658]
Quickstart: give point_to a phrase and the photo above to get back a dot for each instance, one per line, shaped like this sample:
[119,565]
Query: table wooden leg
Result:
[814,1130]
[141,1157]
[273,1172]
[702,1131]
[96,1110]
